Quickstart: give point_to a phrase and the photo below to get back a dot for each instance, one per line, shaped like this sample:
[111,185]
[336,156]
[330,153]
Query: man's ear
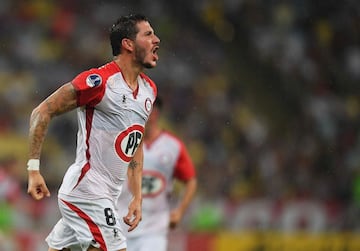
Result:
[127,44]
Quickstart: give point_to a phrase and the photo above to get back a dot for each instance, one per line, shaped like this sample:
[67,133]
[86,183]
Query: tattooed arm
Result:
[61,101]
[135,178]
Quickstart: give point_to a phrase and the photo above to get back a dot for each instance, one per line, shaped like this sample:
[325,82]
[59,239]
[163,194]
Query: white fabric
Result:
[87,223]
[111,120]
[161,160]
[109,133]
[148,242]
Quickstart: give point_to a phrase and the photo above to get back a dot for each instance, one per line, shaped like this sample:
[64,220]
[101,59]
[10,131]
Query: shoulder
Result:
[174,139]
[150,82]
[105,71]
[96,76]
[90,85]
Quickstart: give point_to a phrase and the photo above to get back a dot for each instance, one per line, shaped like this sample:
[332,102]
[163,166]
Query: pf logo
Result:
[153,183]
[128,141]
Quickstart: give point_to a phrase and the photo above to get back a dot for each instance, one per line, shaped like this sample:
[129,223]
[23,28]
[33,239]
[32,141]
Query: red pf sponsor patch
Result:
[128,141]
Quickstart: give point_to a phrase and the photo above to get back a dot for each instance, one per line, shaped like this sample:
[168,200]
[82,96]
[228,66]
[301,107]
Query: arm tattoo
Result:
[38,129]
[61,101]
[64,100]
[133,164]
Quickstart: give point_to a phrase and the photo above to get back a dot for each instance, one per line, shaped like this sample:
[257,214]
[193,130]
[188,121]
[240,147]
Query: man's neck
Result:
[129,70]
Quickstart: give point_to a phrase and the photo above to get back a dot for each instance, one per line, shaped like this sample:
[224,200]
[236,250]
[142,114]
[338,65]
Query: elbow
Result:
[192,183]
[39,115]
[35,112]
[195,183]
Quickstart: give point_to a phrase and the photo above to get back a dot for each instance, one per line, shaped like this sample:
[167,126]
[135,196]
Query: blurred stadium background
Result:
[264,93]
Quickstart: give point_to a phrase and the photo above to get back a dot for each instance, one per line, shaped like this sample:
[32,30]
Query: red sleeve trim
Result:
[184,169]
[90,87]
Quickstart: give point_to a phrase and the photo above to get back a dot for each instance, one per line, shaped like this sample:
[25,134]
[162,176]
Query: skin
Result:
[136,55]
[177,213]
[134,173]
[61,101]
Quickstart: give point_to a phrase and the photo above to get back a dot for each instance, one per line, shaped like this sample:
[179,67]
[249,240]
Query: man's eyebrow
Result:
[148,32]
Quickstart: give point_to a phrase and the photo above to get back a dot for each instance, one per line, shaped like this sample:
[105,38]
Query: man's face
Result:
[146,46]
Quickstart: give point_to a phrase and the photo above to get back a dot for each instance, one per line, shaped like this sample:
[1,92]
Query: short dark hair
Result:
[124,27]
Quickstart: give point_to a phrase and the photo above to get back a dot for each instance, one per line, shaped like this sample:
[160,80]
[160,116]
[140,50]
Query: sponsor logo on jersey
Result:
[93,80]
[153,183]
[128,141]
[148,105]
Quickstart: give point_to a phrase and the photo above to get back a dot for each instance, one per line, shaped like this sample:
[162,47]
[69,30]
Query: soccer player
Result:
[165,159]
[113,104]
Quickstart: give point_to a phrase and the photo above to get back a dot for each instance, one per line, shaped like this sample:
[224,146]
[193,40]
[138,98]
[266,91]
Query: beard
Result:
[140,55]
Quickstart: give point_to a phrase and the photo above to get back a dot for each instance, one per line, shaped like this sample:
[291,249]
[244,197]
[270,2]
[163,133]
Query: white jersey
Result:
[111,119]
[165,158]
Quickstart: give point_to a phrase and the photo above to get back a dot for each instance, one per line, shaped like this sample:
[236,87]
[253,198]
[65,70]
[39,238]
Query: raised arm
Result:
[61,101]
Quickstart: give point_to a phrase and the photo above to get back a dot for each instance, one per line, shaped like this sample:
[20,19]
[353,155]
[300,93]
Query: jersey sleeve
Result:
[90,87]
[184,169]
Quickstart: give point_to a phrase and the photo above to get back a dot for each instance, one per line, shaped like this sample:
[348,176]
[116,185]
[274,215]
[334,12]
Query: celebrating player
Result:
[113,104]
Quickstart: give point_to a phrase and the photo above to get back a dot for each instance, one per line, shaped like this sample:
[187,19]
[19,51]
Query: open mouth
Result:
[154,51]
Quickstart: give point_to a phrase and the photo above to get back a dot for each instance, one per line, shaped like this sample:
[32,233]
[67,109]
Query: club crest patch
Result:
[148,105]
[93,80]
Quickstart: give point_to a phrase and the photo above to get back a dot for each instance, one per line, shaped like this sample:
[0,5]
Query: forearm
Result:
[39,122]
[189,193]
[135,173]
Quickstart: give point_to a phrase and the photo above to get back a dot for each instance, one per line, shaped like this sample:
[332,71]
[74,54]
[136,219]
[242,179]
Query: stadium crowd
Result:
[264,93]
